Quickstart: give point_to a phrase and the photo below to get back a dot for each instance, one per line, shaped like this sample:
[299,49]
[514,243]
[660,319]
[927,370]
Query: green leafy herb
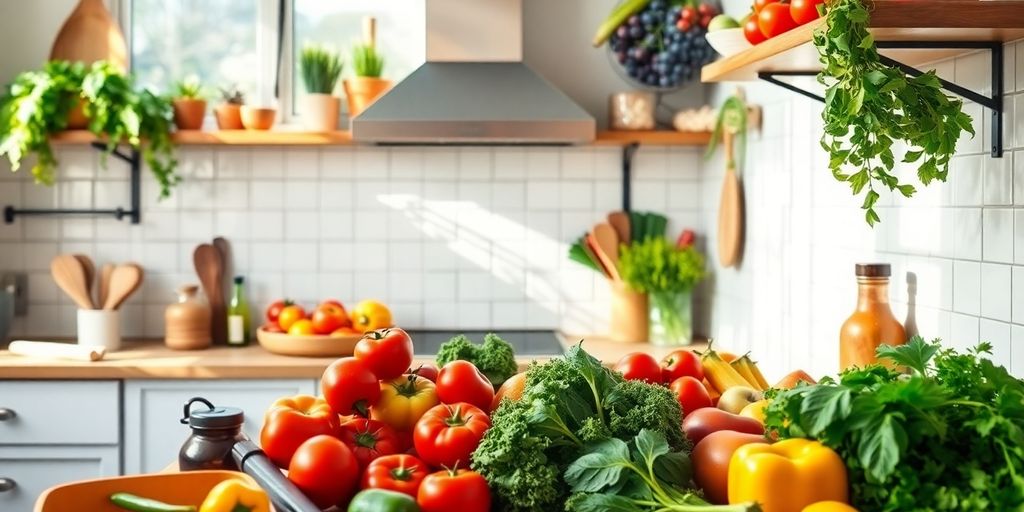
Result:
[869,106]
[948,436]
[366,61]
[189,88]
[320,68]
[655,266]
[232,95]
[495,357]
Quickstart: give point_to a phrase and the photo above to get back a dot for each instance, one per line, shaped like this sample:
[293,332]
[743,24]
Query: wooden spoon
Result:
[67,271]
[620,221]
[210,268]
[104,285]
[124,281]
[730,210]
[610,266]
[608,240]
[227,269]
[90,275]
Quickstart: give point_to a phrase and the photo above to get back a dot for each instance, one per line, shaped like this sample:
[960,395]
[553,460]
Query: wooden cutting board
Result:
[90,34]
[730,210]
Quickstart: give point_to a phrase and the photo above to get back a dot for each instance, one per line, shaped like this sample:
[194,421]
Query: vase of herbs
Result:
[189,104]
[368,65]
[320,68]
[667,273]
[229,113]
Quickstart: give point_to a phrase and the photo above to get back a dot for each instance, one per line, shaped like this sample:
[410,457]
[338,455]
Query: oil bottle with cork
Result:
[872,322]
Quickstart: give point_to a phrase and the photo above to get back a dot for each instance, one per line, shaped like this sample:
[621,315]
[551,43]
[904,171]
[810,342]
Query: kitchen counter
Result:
[151,359]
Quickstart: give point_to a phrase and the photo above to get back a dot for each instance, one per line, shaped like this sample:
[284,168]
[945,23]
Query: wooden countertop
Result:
[151,359]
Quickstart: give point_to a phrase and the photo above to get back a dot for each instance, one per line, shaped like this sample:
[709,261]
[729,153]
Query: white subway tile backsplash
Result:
[301,225]
[406,163]
[302,163]
[75,194]
[267,256]
[576,195]
[995,291]
[267,163]
[543,195]
[196,225]
[370,163]
[509,163]
[266,195]
[997,228]
[1016,350]
[999,180]
[337,256]
[963,332]
[998,334]
[233,163]
[372,285]
[301,256]
[266,225]
[337,164]
[577,164]
[300,195]
[231,195]
[196,164]
[440,163]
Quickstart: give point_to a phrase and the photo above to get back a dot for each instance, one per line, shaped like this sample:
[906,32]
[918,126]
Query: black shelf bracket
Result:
[628,152]
[134,161]
[993,101]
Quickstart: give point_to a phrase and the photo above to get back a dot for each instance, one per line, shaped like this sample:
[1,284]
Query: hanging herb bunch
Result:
[869,106]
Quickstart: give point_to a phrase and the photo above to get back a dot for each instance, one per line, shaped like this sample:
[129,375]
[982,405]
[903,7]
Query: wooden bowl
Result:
[187,488]
[307,346]
[257,118]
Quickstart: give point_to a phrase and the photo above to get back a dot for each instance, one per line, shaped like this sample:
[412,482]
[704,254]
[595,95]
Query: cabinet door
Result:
[152,410]
[60,412]
[33,469]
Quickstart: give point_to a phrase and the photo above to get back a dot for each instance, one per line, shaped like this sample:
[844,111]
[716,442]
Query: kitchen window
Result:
[229,42]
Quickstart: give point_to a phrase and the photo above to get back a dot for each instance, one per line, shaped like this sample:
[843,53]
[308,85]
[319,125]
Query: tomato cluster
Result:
[380,424]
[327,318]
[770,18]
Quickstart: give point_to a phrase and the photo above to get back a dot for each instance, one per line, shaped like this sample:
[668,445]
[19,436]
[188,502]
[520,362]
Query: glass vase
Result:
[671,315]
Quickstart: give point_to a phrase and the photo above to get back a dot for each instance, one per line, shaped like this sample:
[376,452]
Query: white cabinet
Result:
[29,470]
[60,412]
[153,408]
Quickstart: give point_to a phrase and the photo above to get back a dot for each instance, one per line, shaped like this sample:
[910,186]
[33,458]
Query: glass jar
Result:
[671,317]
[872,323]
[187,321]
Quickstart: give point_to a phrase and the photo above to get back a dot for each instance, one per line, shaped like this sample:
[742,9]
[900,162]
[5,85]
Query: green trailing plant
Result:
[320,68]
[38,103]
[190,88]
[366,62]
[232,95]
[870,106]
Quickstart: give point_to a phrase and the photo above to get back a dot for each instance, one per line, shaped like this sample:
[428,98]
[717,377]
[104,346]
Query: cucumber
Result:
[140,504]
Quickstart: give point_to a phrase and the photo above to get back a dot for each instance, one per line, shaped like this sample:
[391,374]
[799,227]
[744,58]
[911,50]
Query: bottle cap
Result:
[873,270]
[239,279]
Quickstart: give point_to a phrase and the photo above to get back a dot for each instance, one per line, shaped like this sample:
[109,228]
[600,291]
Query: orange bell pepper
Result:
[787,476]
[828,506]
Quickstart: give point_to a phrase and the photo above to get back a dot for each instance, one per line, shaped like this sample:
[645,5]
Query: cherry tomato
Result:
[448,433]
[752,31]
[325,470]
[290,421]
[706,10]
[289,315]
[461,381]
[680,363]
[349,386]
[369,439]
[685,239]
[804,11]
[400,473]
[302,327]
[774,19]
[760,4]
[426,370]
[386,352]
[639,366]
[691,393]
[688,14]
[328,318]
[450,490]
[683,25]
[274,309]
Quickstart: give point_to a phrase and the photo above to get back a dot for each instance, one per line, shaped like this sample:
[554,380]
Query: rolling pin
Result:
[54,350]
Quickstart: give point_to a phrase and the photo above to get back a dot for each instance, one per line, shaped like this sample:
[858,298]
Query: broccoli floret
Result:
[495,357]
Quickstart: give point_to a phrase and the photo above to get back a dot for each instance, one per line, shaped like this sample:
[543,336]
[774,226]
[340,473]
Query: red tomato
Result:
[760,4]
[691,393]
[289,315]
[454,490]
[426,370]
[386,352]
[349,386]
[328,318]
[681,363]
[698,424]
[369,439]
[325,470]
[639,366]
[686,239]
[274,309]
[272,327]
[804,11]
[447,434]
[752,31]
[400,473]
[774,19]
[290,421]
[461,381]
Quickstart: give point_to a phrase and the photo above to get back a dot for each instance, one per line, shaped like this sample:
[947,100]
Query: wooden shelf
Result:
[891,20]
[652,138]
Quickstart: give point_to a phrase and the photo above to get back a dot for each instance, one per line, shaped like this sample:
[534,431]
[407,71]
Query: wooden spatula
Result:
[603,252]
[103,289]
[620,221]
[210,269]
[90,275]
[730,210]
[227,269]
[67,271]
[124,281]
[608,240]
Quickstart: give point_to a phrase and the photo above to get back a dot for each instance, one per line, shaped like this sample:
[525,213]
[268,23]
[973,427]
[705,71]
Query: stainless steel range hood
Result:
[474,87]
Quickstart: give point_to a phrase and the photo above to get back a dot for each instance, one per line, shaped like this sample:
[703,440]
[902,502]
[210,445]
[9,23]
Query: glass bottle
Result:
[872,323]
[238,315]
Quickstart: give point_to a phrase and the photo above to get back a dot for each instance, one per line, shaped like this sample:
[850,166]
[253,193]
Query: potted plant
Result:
[320,69]
[362,89]
[229,113]
[189,104]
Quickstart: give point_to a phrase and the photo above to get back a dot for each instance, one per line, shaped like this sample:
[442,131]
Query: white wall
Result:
[27,30]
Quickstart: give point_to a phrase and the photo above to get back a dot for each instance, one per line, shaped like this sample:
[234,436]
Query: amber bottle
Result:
[873,323]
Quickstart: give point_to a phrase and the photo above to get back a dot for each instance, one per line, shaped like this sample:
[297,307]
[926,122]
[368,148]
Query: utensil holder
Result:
[99,328]
[629,319]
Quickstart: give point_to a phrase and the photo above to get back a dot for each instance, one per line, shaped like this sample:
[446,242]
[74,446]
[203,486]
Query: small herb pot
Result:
[320,112]
[258,118]
[229,116]
[362,91]
[189,113]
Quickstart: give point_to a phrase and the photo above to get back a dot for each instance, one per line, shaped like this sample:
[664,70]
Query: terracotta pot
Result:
[76,117]
[257,118]
[189,113]
[362,91]
[629,320]
[320,112]
[229,116]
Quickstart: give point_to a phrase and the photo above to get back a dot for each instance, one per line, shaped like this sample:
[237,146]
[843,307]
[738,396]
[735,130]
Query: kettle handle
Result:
[188,406]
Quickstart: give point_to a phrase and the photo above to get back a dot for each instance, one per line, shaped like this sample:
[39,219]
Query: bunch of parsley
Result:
[947,434]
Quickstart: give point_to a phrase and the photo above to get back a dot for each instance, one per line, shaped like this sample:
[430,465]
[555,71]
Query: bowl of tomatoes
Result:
[327,330]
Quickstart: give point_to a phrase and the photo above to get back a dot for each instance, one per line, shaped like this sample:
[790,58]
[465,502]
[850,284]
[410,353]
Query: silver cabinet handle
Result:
[7,414]
[7,484]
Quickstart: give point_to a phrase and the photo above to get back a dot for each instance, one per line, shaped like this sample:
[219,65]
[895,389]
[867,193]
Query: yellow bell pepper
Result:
[828,506]
[786,476]
[235,496]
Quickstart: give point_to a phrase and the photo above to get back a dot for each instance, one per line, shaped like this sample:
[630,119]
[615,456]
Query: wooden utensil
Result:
[606,263]
[124,281]
[52,350]
[620,221]
[730,209]
[608,240]
[224,248]
[90,274]
[210,269]
[103,288]
[90,34]
[67,271]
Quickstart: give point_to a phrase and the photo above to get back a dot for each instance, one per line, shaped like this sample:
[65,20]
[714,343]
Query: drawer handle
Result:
[7,414]
[7,484]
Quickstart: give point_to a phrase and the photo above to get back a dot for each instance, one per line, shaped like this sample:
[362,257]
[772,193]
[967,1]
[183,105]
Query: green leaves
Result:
[320,67]
[914,355]
[868,106]
[654,265]
[600,468]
